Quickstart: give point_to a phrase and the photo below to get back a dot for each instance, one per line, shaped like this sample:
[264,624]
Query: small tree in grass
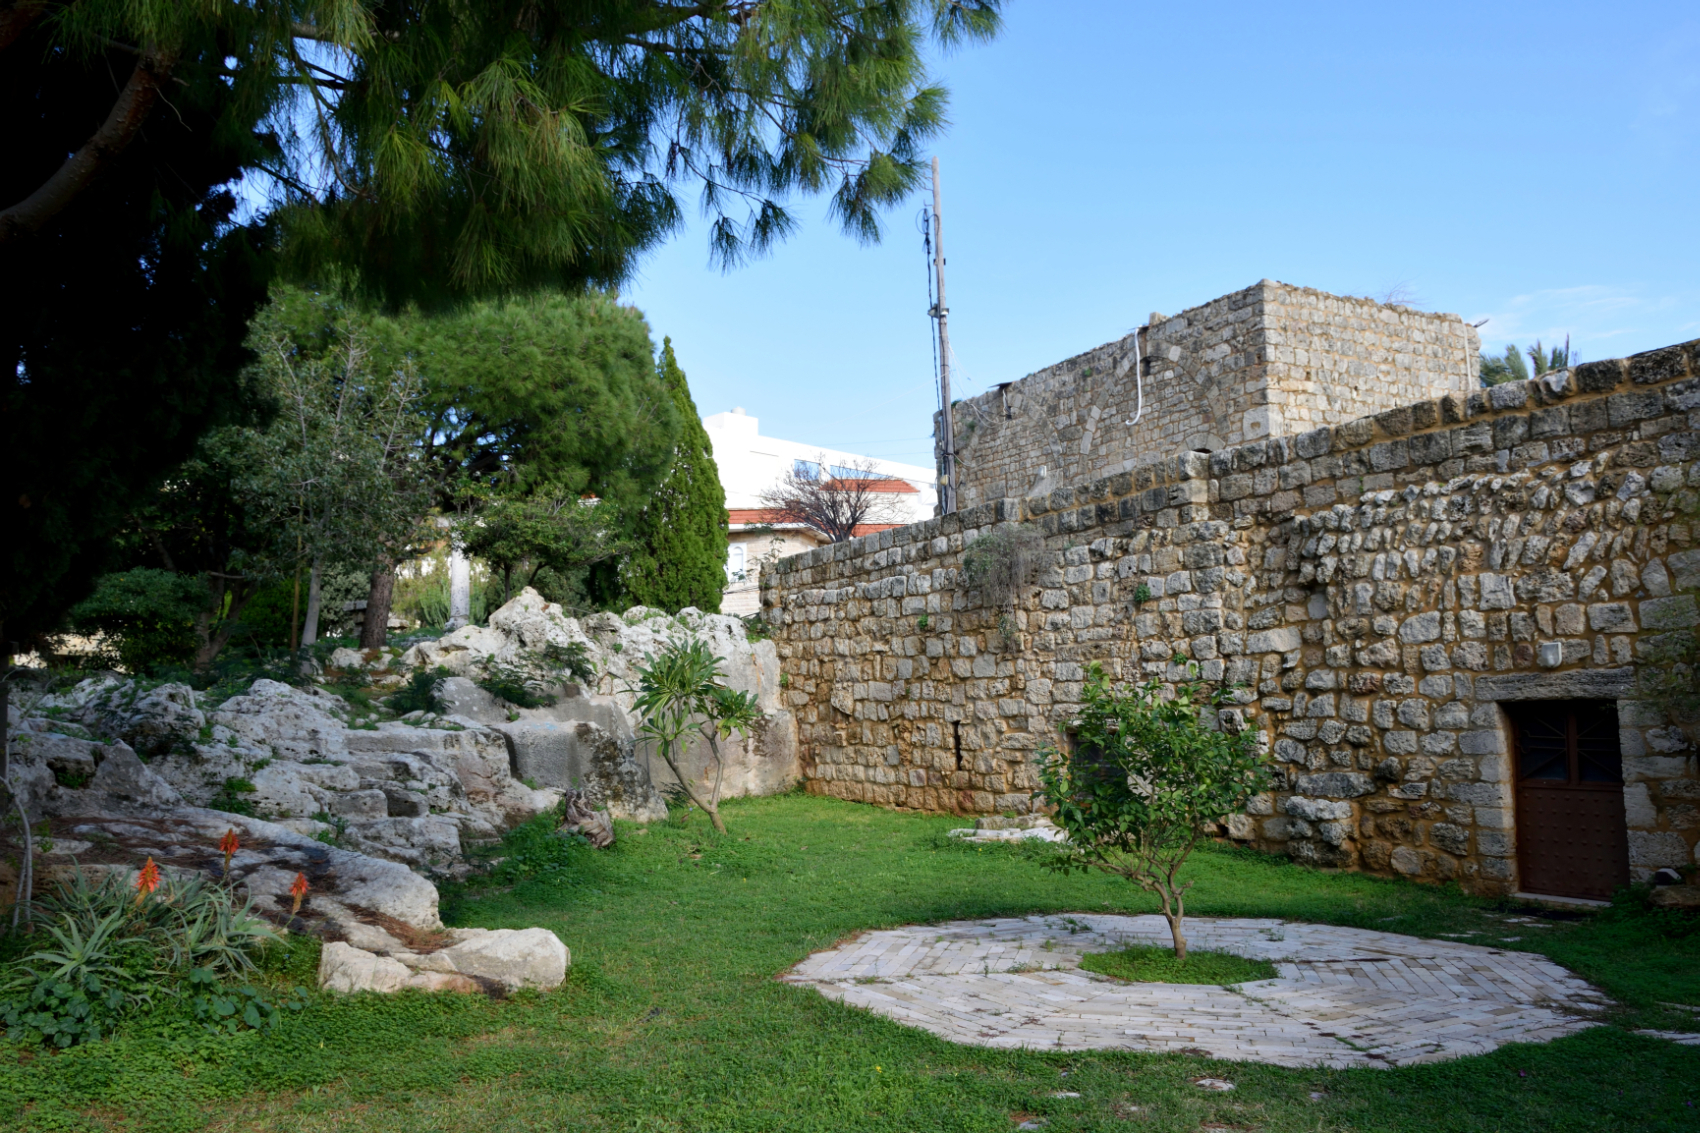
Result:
[1143,780]
[680,693]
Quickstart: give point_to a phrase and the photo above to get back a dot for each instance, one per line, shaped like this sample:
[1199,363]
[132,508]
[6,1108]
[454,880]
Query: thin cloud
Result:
[1600,321]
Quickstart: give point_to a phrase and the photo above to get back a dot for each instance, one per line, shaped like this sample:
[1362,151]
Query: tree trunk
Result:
[216,625]
[374,631]
[1175,933]
[26,868]
[310,625]
[713,811]
[5,710]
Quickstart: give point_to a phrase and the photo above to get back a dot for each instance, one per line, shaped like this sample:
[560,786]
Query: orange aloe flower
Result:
[147,880]
[229,845]
[298,890]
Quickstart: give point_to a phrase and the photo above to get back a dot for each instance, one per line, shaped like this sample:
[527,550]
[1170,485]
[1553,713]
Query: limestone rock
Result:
[1676,897]
[127,783]
[345,658]
[514,958]
[160,719]
[289,722]
[345,968]
[548,745]
[506,958]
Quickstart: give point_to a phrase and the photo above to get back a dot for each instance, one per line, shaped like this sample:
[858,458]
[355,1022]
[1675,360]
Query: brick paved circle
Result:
[1342,996]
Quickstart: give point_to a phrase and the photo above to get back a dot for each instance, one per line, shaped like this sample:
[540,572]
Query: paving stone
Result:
[1342,997]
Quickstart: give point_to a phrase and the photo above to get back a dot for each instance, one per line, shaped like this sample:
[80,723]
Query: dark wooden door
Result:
[1571,837]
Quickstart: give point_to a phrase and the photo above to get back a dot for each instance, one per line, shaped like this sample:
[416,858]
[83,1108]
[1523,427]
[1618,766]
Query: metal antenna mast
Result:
[941,312]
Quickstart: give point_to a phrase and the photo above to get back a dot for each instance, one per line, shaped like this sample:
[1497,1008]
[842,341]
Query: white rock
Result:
[345,658]
[345,968]
[289,722]
[514,958]
[128,783]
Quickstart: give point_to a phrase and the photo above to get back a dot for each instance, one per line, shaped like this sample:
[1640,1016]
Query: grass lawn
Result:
[671,1018]
[1145,963]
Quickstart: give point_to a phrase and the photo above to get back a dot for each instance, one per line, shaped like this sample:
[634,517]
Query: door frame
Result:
[1515,780]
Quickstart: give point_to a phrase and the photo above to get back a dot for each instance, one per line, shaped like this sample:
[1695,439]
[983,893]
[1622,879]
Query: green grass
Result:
[672,1019]
[1143,963]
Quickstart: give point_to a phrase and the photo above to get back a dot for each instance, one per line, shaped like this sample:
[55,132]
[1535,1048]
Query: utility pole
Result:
[941,312]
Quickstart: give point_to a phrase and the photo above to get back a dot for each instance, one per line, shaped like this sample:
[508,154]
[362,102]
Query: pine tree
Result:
[681,532]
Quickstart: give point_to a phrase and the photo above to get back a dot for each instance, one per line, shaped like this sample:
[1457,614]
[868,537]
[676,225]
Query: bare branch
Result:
[836,499]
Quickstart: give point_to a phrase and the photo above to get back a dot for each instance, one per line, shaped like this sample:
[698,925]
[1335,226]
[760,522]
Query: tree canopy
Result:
[680,535]
[541,389]
[438,149]
[423,152]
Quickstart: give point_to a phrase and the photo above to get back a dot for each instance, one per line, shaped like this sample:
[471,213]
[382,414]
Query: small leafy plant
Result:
[227,1010]
[574,657]
[518,686]
[421,693]
[680,692]
[231,797]
[1143,779]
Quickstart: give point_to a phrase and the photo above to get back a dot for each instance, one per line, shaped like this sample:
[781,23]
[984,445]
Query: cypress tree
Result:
[680,558]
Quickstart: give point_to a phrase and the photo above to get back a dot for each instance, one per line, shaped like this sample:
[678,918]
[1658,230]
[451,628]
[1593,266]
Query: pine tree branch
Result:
[79,170]
[16,18]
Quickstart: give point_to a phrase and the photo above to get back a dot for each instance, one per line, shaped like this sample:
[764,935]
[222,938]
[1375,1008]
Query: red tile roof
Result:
[755,516]
[879,485]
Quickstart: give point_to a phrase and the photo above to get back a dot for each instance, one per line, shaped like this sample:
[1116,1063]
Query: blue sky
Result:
[1535,164]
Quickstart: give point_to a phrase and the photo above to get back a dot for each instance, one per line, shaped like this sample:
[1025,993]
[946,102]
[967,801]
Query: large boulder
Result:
[416,795]
[502,959]
[124,784]
[291,723]
[512,957]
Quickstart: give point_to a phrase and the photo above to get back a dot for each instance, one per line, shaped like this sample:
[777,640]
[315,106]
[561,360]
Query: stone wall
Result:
[1272,360]
[1379,587]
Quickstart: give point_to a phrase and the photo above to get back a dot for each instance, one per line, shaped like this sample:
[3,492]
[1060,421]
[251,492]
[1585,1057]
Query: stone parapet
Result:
[1271,360]
[1376,587]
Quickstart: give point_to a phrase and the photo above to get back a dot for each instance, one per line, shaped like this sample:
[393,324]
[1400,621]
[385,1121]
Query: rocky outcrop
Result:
[586,739]
[412,794]
[581,742]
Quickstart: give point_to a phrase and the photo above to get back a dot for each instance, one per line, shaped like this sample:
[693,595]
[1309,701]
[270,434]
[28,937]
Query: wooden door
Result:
[1571,836]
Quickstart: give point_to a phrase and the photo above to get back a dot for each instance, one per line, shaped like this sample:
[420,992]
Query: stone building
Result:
[1272,360]
[1445,620]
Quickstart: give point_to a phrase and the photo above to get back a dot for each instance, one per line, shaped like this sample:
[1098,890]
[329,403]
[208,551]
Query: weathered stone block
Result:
[1336,785]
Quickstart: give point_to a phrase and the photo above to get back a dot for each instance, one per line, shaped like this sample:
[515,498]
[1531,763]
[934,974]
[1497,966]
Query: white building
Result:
[750,463]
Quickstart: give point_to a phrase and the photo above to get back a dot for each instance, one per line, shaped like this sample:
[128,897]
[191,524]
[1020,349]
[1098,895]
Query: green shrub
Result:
[1145,776]
[147,616]
[519,687]
[420,693]
[574,657]
[230,797]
